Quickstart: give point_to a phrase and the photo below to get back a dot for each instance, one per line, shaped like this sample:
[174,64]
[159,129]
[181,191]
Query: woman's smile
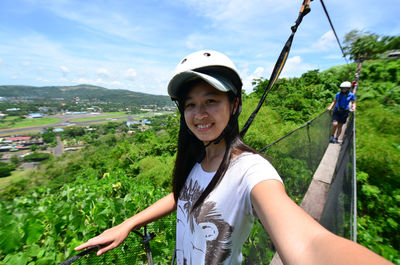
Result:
[203,126]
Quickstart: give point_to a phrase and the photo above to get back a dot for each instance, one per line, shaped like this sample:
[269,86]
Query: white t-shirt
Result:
[215,232]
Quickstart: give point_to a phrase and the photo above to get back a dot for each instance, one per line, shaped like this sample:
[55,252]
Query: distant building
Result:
[169,108]
[48,108]
[18,138]
[393,55]
[93,109]
[13,109]
[146,121]
[129,123]
[35,115]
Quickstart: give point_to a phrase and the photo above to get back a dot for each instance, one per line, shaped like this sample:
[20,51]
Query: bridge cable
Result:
[280,63]
[334,32]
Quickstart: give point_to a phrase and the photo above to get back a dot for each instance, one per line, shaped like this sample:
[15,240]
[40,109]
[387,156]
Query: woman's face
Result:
[207,111]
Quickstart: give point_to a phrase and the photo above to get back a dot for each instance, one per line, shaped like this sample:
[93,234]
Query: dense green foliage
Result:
[79,195]
[72,198]
[378,158]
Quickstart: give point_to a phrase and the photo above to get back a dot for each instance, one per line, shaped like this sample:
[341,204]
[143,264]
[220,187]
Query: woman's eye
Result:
[209,101]
[189,105]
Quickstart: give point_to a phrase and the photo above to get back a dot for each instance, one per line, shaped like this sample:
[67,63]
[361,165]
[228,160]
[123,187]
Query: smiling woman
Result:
[220,184]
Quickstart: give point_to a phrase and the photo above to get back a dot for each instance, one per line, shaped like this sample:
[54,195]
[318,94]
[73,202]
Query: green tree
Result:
[14,160]
[34,147]
[360,45]
[49,137]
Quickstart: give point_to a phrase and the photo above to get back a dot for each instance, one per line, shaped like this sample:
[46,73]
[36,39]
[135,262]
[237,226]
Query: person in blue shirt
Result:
[342,107]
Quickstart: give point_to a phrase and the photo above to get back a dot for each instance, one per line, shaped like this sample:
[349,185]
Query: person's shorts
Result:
[340,116]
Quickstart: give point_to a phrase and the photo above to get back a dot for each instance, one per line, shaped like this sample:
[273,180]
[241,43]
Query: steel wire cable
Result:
[334,31]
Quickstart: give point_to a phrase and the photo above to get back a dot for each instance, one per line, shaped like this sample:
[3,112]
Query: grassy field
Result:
[105,115]
[15,122]
[25,132]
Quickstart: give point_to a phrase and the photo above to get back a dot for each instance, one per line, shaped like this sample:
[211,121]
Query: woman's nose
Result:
[201,112]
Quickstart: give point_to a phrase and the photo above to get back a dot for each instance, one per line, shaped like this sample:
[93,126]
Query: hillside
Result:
[88,93]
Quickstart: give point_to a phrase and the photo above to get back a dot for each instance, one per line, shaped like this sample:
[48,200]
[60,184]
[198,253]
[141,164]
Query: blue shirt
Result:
[343,100]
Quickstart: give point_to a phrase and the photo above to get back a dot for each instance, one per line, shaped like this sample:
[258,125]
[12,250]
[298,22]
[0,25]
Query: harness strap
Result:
[280,63]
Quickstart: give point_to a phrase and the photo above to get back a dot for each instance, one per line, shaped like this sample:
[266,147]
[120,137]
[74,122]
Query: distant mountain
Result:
[84,92]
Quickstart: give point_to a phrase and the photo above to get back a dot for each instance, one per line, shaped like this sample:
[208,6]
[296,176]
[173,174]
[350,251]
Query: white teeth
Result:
[203,126]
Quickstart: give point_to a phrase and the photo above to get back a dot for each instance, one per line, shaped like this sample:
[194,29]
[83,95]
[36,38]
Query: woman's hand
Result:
[114,236]
[109,239]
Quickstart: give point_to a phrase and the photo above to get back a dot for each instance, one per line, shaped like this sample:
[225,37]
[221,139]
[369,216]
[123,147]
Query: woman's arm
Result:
[332,104]
[114,236]
[298,238]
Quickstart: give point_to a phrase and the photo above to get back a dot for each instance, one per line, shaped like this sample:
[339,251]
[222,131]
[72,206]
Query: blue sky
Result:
[136,44]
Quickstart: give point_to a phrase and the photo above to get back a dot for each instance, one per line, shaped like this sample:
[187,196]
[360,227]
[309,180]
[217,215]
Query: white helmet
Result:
[345,84]
[213,67]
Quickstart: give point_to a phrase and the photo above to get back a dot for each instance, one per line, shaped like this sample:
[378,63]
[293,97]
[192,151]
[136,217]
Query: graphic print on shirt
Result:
[212,240]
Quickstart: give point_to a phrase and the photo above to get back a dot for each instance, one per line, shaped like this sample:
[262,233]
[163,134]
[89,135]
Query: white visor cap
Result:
[211,66]
[215,80]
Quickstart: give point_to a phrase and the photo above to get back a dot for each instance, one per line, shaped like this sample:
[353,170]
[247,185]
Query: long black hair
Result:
[192,150]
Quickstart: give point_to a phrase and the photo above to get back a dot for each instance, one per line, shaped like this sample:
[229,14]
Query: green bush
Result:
[5,171]
[35,157]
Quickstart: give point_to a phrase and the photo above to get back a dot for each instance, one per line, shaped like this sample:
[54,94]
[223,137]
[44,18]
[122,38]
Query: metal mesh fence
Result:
[132,250]
[296,157]
[339,214]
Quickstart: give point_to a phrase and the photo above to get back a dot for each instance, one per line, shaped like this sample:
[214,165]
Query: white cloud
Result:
[41,79]
[194,42]
[103,72]
[248,79]
[236,10]
[325,42]
[82,80]
[130,74]
[64,69]
[26,63]
[294,67]
[100,82]
[92,17]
